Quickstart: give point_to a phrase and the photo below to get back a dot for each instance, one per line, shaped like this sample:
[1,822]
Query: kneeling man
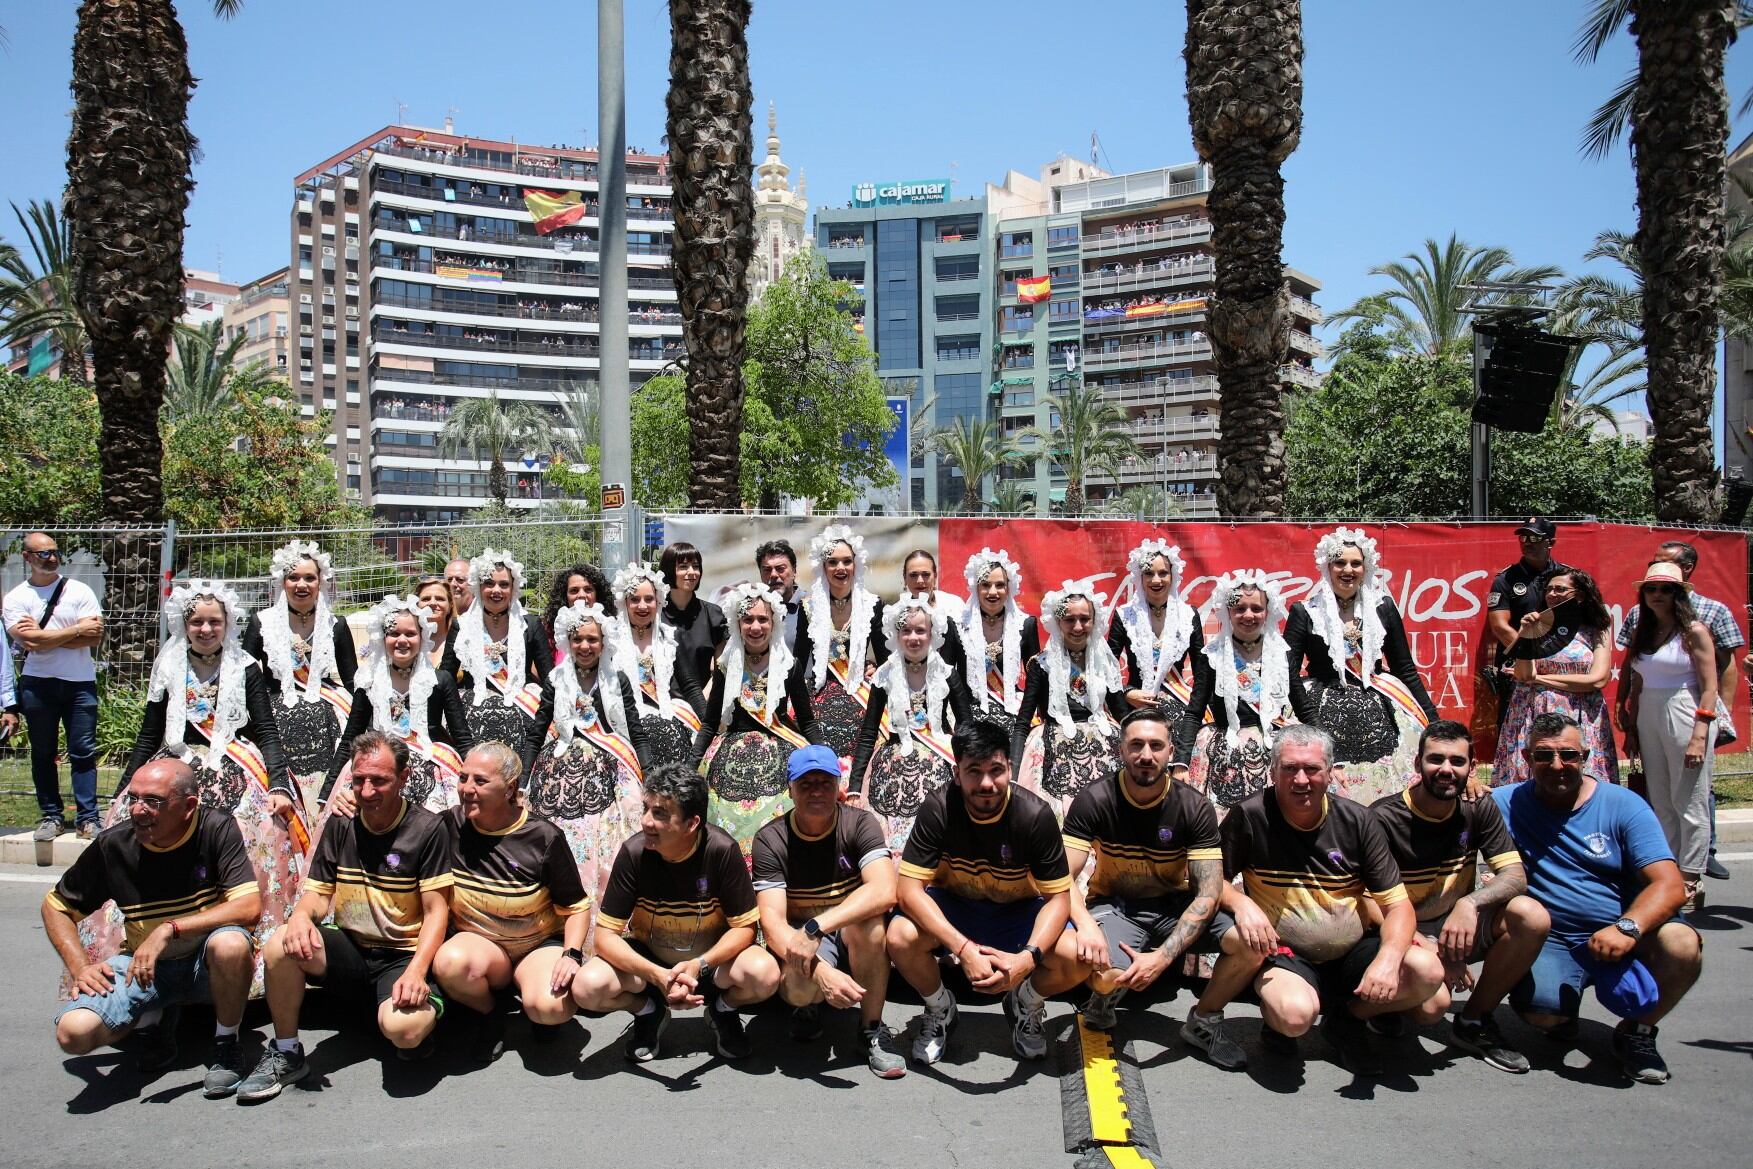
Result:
[824,883]
[188,898]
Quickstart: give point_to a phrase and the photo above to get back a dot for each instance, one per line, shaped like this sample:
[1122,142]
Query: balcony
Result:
[534,164]
[853,243]
[1157,353]
[583,348]
[1132,237]
[570,312]
[1159,391]
[1178,429]
[653,212]
[525,384]
[1306,309]
[1305,343]
[514,273]
[1192,314]
[1164,273]
[1300,375]
[578,245]
[1167,467]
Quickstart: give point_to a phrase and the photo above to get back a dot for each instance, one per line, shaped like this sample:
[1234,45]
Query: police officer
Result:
[1519,590]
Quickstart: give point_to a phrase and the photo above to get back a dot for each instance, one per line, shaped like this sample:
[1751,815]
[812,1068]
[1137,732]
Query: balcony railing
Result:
[1305,343]
[1165,390]
[1128,237]
[1152,275]
[575,244]
[517,274]
[558,386]
[1305,308]
[570,312]
[1177,429]
[654,213]
[1159,354]
[846,242]
[1166,467]
[1300,375]
[552,168]
[579,348]
[464,490]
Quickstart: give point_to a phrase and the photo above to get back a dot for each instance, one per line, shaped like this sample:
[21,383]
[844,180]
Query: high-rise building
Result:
[1104,280]
[1737,389]
[781,214]
[430,268]
[922,262]
[262,315]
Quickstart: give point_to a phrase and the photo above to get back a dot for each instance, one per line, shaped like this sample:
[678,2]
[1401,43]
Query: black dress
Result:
[496,717]
[1185,718]
[838,711]
[747,775]
[446,722]
[1069,763]
[224,788]
[899,783]
[1362,722]
[308,730]
[700,629]
[667,739]
[572,781]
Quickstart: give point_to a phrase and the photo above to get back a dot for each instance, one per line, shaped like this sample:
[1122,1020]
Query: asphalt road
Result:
[575,1101]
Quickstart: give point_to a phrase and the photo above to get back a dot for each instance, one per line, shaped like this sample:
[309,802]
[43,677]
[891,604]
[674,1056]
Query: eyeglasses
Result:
[1563,754]
[151,803]
[45,553]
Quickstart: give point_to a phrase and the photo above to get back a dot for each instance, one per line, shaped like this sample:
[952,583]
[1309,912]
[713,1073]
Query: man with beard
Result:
[1159,869]
[1600,864]
[1436,838]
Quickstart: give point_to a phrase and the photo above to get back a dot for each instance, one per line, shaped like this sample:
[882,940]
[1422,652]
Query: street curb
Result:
[1734,826]
[17,848]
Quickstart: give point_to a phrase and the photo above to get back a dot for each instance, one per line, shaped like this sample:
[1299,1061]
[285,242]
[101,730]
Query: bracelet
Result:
[1704,716]
[176,931]
[574,953]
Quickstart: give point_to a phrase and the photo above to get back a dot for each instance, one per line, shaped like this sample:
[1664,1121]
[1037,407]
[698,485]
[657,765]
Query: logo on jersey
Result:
[700,886]
[1004,853]
[1596,843]
[200,872]
[392,860]
[1520,590]
[1338,858]
[1165,834]
[1461,841]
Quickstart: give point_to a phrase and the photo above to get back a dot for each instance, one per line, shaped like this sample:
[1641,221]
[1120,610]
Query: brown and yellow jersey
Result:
[1311,884]
[1016,854]
[517,886]
[374,879]
[1141,850]
[1436,857]
[678,909]
[817,872]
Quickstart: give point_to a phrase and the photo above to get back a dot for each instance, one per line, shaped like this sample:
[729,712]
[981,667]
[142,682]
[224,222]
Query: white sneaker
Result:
[1028,1032]
[934,1034]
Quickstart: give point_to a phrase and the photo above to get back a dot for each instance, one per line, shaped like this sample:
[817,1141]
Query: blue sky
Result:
[1420,118]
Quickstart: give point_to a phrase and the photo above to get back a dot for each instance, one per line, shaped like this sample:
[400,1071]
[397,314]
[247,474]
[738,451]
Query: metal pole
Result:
[614,409]
[1481,471]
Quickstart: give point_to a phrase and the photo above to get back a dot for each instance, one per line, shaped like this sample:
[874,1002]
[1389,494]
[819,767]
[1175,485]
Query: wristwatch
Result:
[1032,951]
[1629,928]
[812,929]
[574,953]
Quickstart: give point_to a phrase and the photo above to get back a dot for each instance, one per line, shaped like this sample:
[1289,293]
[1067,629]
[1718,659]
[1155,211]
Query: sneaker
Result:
[1204,1033]
[1480,1037]
[1351,1039]
[728,1035]
[884,1061]
[643,1035]
[88,830]
[1635,1045]
[1098,1012]
[806,1023]
[1028,1032]
[225,1067]
[48,828]
[1387,1026]
[274,1071]
[489,1036]
[1277,1042]
[1715,869]
[157,1045]
[934,1034]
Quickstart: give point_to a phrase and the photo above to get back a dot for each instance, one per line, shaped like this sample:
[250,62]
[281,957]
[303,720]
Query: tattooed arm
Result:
[1147,968]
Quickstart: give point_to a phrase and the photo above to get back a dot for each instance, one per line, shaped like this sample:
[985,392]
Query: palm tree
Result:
[36,295]
[1244,99]
[1144,502]
[199,382]
[1601,308]
[1087,438]
[1679,134]
[1613,117]
[1011,497]
[980,448]
[488,429]
[709,131]
[1422,313]
[1613,378]
[579,416]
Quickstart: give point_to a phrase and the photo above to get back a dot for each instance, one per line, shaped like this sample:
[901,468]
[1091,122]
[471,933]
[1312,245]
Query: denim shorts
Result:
[175,981]
[1554,985]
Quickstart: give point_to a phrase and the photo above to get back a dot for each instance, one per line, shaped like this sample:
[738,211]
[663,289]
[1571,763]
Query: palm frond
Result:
[1602,23]
[1610,121]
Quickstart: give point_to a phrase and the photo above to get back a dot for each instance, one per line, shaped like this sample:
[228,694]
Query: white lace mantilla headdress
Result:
[974,634]
[276,624]
[170,673]
[1323,605]
[1274,656]
[564,679]
[891,676]
[735,604]
[820,613]
[471,640]
[374,671]
[1134,614]
[663,637]
[1101,673]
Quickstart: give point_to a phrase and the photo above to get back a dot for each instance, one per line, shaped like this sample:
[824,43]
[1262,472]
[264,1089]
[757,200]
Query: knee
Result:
[76,1032]
[867,937]
[594,985]
[1680,947]
[546,1010]
[451,964]
[1291,1013]
[1526,919]
[1432,1008]
[229,949]
[758,972]
[903,936]
[405,1028]
[1423,968]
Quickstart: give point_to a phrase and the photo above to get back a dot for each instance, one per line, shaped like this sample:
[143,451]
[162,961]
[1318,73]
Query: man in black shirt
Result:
[1519,590]
[1436,838]
[824,883]
[188,899]
[677,924]
[984,878]
[776,561]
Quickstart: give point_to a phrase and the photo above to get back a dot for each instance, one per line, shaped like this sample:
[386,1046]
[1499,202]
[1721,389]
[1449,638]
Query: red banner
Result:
[1438,574]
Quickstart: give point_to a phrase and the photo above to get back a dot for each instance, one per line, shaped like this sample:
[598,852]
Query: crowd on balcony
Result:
[1170,263]
[1149,227]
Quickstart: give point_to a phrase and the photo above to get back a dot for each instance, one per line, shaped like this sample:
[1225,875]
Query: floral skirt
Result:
[1226,773]
[1375,745]
[1056,766]
[495,719]
[745,774]
[596,802]
[309,732]
[897,784]
[1528,702]
[839,714]
[228,790]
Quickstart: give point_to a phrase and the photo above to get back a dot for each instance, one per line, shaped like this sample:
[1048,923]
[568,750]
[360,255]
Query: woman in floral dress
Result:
[1570,680]
[1074,685]
[1157,637]
[839,636]
[498,654]
[1250,689]
[661,680]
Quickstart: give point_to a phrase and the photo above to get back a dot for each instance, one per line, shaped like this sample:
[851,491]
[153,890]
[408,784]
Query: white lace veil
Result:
[1323,606]
[891,676]
[276,624]
[170,673]
[1274,656]
[974,635]
[564,679]
[374,670]
[820,614]
[1134,615]
[735,604]
[1101,673]
[663,636]
[471,639]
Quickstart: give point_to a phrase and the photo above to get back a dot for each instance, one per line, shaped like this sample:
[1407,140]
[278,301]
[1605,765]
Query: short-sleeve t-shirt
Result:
[1311,884]
[1142,851]
[679,909]
[1519,590]
[77,601]
[374,879]
[1016,854]
[817,872]
[514,887]
[152,885]
[1585,865]
[1436,856]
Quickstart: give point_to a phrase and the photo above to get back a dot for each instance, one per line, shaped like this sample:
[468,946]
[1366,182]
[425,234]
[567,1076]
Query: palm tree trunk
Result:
[711,163]
[496,478]
[1679,131]
[128,185]
[1244,98]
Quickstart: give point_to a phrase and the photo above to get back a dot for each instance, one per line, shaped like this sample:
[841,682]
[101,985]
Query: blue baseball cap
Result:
[1626,987]
[814,757]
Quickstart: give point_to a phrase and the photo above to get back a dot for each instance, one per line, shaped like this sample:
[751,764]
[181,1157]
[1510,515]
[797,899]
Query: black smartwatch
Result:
[574,953]
[812,929]
[1034,952]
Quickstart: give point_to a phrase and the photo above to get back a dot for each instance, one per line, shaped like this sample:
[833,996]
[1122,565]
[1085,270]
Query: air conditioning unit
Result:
[304,298]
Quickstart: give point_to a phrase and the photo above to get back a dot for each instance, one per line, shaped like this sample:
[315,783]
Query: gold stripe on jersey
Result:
[803,903]
[1503,860]
[141,919]
[1318,915]
[377,909]
[685,929]
[1434,889]
[980,880]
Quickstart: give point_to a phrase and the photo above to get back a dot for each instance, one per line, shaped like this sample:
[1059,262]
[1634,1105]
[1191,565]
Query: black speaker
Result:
[1736,496]
[1517,372]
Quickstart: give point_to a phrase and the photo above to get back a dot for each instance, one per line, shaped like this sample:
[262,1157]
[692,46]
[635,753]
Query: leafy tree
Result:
[659,419]
[198,381]
[36,295]
[490,430]
[1087,438]
[48,452]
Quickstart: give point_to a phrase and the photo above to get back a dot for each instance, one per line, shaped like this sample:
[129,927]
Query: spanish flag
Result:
[1032,289]
[553,210]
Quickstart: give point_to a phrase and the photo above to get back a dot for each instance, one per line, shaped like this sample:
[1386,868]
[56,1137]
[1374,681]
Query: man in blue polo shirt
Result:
[1598,861]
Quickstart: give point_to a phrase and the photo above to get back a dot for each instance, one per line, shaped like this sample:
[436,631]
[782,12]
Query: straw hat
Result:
[1664,572]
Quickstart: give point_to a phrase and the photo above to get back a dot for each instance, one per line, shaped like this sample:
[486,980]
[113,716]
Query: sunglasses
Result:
[1563,754]
[1660,590]
[46,554]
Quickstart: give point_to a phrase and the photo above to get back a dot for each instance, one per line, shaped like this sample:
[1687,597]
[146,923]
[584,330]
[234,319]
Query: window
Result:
[958,308]
[958,348]
[1008,280]
[1018,357]
[1016,244]
[1064,275]
[1061,312]
[958,268]
[1064,236]
[1018,318]
[951,231]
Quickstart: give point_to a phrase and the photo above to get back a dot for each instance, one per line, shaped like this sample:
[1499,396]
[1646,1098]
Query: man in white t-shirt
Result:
[58,622]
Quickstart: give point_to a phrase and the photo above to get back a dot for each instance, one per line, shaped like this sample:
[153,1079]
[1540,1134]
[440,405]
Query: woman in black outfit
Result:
[1250,689]
[581,582]
[699,625]
[498,655]
[997,640]
[839,635]
[1157,637]
[1074,685]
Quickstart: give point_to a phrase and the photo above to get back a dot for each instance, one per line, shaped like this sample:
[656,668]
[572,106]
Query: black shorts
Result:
[1147,924]
[365,971]
[1334,981]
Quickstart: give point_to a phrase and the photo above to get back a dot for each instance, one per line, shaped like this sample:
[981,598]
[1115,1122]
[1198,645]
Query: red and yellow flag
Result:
[1033,289]
[551,209]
